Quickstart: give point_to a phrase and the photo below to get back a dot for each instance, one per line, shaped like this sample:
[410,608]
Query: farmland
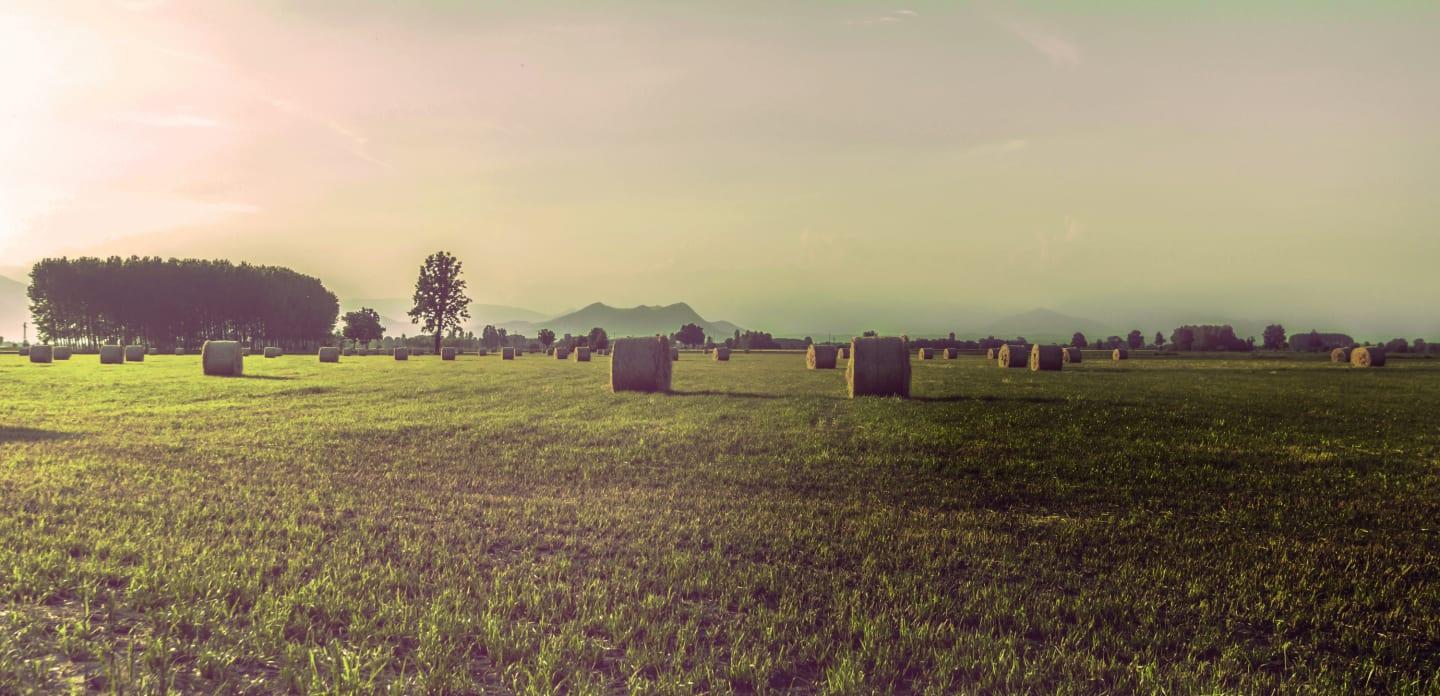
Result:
[1174,524]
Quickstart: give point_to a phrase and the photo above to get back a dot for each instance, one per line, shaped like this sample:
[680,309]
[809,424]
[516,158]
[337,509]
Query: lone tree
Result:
[1135,339]
[546,337]
[440,299]
[599,340]
[690,335]
[363,326]
[1078,340]
[1274,337]
[1159,339]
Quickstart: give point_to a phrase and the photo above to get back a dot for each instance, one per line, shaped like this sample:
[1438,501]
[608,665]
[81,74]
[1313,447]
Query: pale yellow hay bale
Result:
[1013,355]
[1373,356]
[821,357]
[640,364]
[581,354]
[720,354]
[1046,358]
[952,353]
[925,353]
[879,366]
[222,358]
[1120,354]
[1341,355]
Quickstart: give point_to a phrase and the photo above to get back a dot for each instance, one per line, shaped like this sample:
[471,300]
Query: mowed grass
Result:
[1165,525]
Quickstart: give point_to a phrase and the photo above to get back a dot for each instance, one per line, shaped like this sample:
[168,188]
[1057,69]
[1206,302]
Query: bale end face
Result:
[879,366]
[447,353]
[1013,356]
[821,357]
[222,358]
[581,354]
[1367,357]
[507,353]
[1119,354]
[925,354]
[640,364]
[1341,355]
[721,354]
[1072,355]
[990,354]
[329,355]
[1046,358]
[952,353]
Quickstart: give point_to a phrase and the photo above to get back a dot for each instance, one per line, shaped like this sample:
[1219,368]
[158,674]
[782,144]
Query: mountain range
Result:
[644,320]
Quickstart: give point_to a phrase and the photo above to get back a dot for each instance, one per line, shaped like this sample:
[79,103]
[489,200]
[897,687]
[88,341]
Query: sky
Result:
[796,166]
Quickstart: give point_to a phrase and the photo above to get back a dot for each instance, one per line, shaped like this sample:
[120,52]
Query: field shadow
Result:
[274,377]
[738,395]
[10,434]
[960,398]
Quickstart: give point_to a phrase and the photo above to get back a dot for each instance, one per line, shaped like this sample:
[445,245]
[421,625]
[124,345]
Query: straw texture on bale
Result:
[447,353]
[271,352]
[330,354]
[134,353]
[1367,357]
[561,354]
[111,355]
[952,353]
[1046,358]
[990,354]
[507,353]
[581,354]
[925,353]
[640,364]
[879,366]
[222,358]
[41,354]
[1120,354]
[721,354]
[843,353]
[820,357]
[1340,355]
[402,353]
[674,353]
[1072,355]
[1014,356]
[62,352]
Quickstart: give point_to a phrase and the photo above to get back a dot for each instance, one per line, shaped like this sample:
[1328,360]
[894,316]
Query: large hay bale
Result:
[925,353]
[244,352]
[482,352]
[990,354]
[152,351]
[879,366]
[640,364]
[62,352]
[134,353]
[1120,354]
[952,353]
[507,353]
[329,354]
[348,352]
[820,357]
[272,352]
[1013,355]
[1340,355]
[674,353]
[581,354]
[1046,358]
[1072,355]
[111,355]
[562,354]
[843,353]
[721,354]
[179,351]
[448,353]
[222,358]
[42,354]
[24,351]
[1373,356]
[402,353]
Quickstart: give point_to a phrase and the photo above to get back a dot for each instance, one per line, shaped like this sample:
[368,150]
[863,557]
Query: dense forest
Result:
[178,302]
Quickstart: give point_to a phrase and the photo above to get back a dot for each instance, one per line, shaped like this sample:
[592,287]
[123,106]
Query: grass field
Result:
[1162,525]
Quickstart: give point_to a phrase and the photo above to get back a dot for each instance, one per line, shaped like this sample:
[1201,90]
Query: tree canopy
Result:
[440,301]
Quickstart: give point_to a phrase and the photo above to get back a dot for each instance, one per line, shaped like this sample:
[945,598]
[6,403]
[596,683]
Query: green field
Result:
[1159,525]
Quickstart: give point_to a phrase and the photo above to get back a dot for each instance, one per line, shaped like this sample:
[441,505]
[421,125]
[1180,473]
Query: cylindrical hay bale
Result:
[330,354]
[581,354]
[272,352]
[640,364]
[134,353]
[1071,354]
[674,353]
[1367,357]
[42,354]
[23,352]
[925,353]
[820,357]
[62,352]
[1046,358]
[244,352]
[152,351]
[179,351]
[507,353]
[1013,356]
[362,351]
[348,352]
[843,353]
[990,354]
[879,366]
[402,353]
[111,355]
[482,352]
[1120,354]
[1341,355]
[222,358]
[721,354]
[447,353]
[952,353]
[562,354]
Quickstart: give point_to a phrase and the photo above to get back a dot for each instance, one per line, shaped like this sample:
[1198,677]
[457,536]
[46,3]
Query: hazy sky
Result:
[763,161]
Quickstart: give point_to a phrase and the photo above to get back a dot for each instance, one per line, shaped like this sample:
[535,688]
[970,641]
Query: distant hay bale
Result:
[402,353]
[674,353]
[1120,354]
[720,354]
[1340,355]
[134,353]
[152,351]
[1015,355]
[244,352]
[111,355]
[272,352]
[640,364]
[222,358]
[179,351]
[1046,358]
[62,352]
[990,354]
[843,353]
[482,352]
[329,354]
[1373,356]
[952,353]
[447,353]
[1071,355]
[820,357]
[41,354]
[879,366]
[348,352]
[507,353]
[24,351]
[363,352]
[925,353]
[562,354]
[581,354]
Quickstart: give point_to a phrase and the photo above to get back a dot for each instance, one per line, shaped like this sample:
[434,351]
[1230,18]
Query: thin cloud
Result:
[1058,50]
[894,17]
[168,120]
[358,143]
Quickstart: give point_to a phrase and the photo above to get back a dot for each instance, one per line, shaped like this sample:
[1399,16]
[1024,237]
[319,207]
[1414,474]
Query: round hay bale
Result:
[640,364]
[179,351]
[402,353]
[1072,355]
[152,351]
[1373,356]
[348,352]
[879,366]
[1120,354]
[820,357]
[844,353]
[581,354]
[24,351]
[674,353]
[41,354]
[111,355]
[721,354]
[62,352]
[562,354]
[329,354]
[482,352]
[448,353]
[925,353]
[134,353]
[1013,356]
[222,358]
[1046,358]
[952,353]
[244,352]
[272,352]
[990,354]
[1341,355]
[507,353]
[362,352]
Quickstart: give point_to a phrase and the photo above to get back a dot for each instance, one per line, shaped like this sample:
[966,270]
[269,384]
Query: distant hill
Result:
[14,309]
[1047,326]
[633,321]
[395,314]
